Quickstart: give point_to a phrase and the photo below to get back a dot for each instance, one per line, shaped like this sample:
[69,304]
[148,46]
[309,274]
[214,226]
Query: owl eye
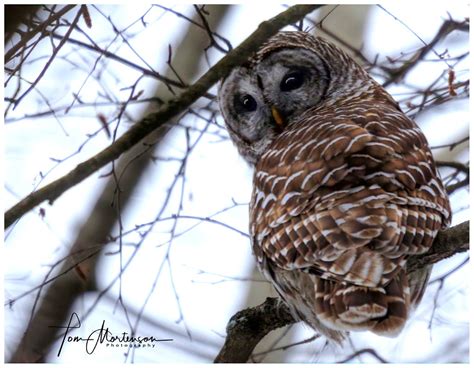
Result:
[292,80]
[246,103]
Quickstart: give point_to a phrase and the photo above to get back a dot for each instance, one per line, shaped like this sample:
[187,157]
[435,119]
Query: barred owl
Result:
[345,189]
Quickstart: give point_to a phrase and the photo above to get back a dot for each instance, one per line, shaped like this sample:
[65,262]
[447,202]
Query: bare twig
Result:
[53,55]
[153,121]
[126,62]
[460,168]
[362,352]
[455,165]
[451,146]
[288,346]
[39,29]
[460,184]
[449,25]
[205,24]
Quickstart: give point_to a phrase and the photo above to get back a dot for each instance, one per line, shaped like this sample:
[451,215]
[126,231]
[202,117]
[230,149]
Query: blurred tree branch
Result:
[449,25]
[18,14]
[56,49]
[14,16]
[114,199]
[153,121]
[460,168]
[247,327]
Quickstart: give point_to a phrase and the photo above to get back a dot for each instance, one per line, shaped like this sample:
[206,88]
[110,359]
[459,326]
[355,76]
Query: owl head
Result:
[290,75]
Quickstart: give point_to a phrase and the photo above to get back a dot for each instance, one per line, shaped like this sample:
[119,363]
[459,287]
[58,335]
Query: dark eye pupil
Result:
[292,80]
[248,103]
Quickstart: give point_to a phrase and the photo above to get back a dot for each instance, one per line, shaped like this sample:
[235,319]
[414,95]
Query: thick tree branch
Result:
[153,121]
[447,243]
[247,327]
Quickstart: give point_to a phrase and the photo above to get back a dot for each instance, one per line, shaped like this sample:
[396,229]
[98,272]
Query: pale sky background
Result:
[205,259]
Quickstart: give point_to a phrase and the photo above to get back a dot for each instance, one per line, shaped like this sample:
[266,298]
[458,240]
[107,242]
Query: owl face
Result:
[260,100]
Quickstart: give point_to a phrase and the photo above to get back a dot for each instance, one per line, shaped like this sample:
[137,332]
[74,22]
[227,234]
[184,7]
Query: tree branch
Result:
[448,243]
[153,121]
[397,74]
[247,327]
[15,15]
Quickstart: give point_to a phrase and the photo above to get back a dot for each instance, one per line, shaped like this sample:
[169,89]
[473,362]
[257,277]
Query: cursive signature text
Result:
[103,335]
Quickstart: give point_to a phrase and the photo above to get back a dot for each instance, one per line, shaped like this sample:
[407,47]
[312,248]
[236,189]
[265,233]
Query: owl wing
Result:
[348,200]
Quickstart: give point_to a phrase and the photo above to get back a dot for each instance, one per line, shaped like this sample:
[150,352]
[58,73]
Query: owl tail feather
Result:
[382,310]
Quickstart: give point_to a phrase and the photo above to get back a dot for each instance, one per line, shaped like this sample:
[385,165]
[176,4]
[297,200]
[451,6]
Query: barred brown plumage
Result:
[345,187]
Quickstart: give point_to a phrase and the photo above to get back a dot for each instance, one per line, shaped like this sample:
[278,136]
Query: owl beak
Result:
[278,117]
